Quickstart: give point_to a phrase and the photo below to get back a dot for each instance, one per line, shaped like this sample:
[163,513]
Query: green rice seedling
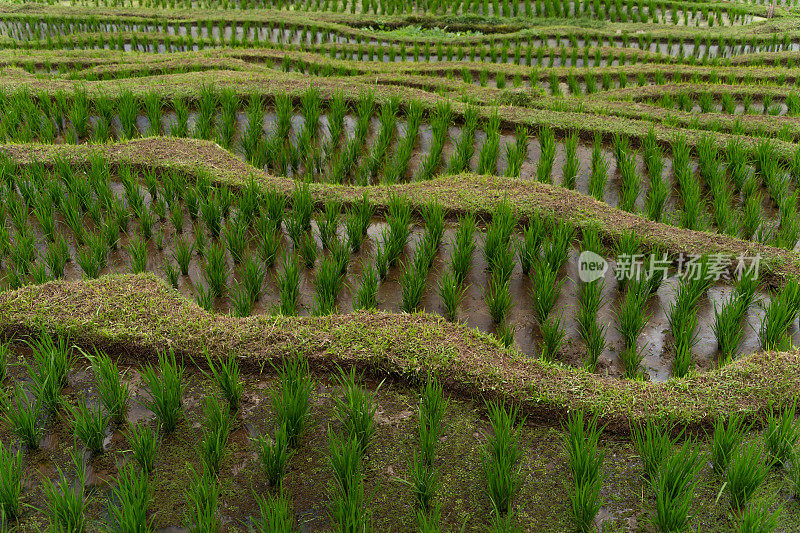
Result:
[433,406]
[412,283]
[729,320]
[289,286]
[11,482]
[275,514]
[236,238]
[353,226]
[758,517]
[555,252]
[367,293]
[327,286]
[590,299]
[781,434]
[487,158]
[308,250]
[180,128]
[137,249]
[88,263]
[182,254]
[66,498]
[240,299]
[269,244]
[274,455]
[780,314]
[355,409]
[653,443]
[21,416]
[132,495]
[128,110]
[202,500]
[56,257]
[451,292]
[348,503]
[547,143]
[464,248]
[89,426]
[166,391]
[545,292]
[433,216]
[115,395]
[211,214]
[216,430]
[498,234]
[572,165]
[581,442]
[152,105]
[229,103]
[204,297]
[746,472]
[598,177]
[291,399]
[631,320]
[674,485]
[503,453]
[252,276]
[529,248]
[553,334]
[727,435]
[498,298]
[215,268]
[4,353]
[423,481]
[171,272]
[225,373]
[630,181]
[143,442]
[303,205]
[329,222]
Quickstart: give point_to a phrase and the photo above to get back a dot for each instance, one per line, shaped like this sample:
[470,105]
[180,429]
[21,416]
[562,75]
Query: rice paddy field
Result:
[399,265]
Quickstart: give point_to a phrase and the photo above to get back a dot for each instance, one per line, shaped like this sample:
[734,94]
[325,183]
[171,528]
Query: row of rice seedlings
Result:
[729,319]
[629,193]
[683,314]
[355,410]
[779,316]
[632,317]
[502,475]
[572,165]
[585,459]
[465,145]
[11,483]
[517,152]
[547,142]
[423,476]
[659,189]
[396,170]
[388,122]
[452,287]
[689,187]
[66,498]
[598,177]
[721,193]
[590,300]
[440,122]
[490,149]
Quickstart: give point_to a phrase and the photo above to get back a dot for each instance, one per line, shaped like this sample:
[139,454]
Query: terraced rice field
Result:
[399,265]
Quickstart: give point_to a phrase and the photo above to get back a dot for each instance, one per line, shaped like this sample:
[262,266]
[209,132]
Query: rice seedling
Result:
[225,373]
[143,442]
[781,434]
[308,250]
[289,286]
[529,248]
[137,249]
[674,485]
[302,205]
[215,268]
[632,317]
[216,430]
[503,453]
[581,441]
[412,283]
[329,222]
[780,314]
[132,495]
[555,252]
[498,298]
[11,482]
[727,435]
[746,472]
[22,417]
[89,426]
[347,501]
[464,248]
[545,292]
[241,301]
[166,390]
[291,399]
[729,320]
[274,454]
[66,498]
[598,177]
[202,500]
[758,517]
[355,409]
[653,443]
[88,263]
[252,276]
[553,334]
[547,143]
[572,165]
[275,514]
[235,234]
[115,395]
[327,286]
[451,292]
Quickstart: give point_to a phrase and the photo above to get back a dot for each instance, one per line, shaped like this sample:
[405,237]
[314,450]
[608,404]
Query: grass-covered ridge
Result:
[138,316]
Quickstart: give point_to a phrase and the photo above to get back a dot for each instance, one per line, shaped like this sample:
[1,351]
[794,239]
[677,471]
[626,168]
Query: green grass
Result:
[166,390]
[11,482]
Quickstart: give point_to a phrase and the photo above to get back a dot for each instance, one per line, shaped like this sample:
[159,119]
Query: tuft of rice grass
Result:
[289,286]
[355,409]
[166,390]
[143,442]
[653,442]
[674,485]
[226,374]
[501,470]
[115,395]
[275,514]
[131,495]
[66,497]
[216,430]
[291,400]
[781,434]
[274,454]
[746,472]
[89,426]
[726,437]
[202,501]
[758,517]
[11,482]
[348,508]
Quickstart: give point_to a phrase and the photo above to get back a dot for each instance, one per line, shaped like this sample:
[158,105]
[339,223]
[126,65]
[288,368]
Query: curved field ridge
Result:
[458,194]
[135,316]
